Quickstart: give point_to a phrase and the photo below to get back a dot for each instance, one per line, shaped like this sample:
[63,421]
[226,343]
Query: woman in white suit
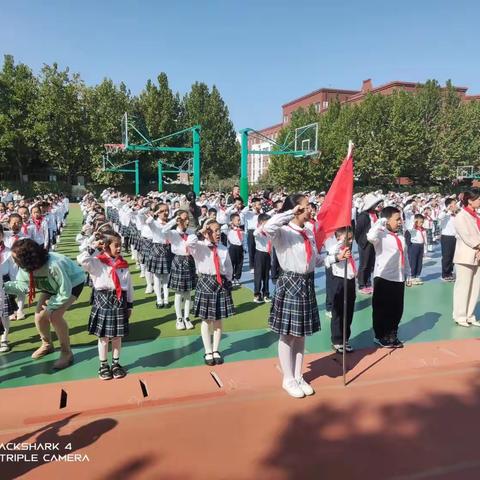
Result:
[467,261]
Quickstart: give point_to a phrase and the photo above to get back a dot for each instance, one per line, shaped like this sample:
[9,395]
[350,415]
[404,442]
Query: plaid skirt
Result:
[183,276]
[144,249]
[159,260]
[134,237]
[294,308]
[115,217]
[9,304]
[109,316]
[108,213]
[124,231]
[429,236]
[213,301]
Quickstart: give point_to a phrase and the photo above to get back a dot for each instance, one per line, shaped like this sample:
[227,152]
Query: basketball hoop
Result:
[113,148]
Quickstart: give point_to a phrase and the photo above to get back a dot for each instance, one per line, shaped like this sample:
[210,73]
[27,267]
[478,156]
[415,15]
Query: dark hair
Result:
[418,216]
[233,215]
[111,236]
[204,207]
[14,215]
[342,230]
[263,217]
[388,212]
[470,195]
[448,201]
[291,202]
[255,199]
[212,210]
[29,255]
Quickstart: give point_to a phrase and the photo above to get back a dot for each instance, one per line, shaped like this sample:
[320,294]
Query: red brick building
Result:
[321,99]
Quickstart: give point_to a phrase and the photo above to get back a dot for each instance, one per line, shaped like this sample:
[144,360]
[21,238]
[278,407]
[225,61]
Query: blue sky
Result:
[260,54]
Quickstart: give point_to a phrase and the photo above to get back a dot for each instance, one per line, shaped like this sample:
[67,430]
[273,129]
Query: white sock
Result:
[164,278]
[149,278]
[134,254]
[6,326]
[103,348]
[285,354]
[20,302]
[142,269]
[206,336]
[298,354]
[178,305]
[217,334]
[116,347]
[157,287]
[186,296]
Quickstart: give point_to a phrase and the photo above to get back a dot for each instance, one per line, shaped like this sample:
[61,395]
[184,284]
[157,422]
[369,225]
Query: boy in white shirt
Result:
[416,238]
[390,273]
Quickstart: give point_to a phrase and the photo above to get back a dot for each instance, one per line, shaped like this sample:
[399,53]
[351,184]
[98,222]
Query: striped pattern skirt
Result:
[183,276]
[213,301]
[144,249]
[134,237]
[159,260]
[294,308]
[109,316]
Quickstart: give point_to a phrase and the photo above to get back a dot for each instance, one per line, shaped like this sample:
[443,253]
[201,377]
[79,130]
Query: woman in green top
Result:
[59,281]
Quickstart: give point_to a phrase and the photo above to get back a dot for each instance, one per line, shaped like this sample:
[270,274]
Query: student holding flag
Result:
[262,263]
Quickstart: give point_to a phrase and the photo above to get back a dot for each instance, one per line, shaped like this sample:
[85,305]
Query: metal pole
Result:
[244,167]
[196,159]
[137,178]
[345,304]
[160,176]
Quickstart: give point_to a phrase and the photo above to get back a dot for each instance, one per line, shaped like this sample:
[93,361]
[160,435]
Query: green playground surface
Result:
[155,344]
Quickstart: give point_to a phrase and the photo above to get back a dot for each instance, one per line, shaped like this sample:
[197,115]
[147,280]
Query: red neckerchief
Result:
[115,264]
[269,244]
[25,228]
[184,237]
[422,231]
[216,262]
[38,223]
[314,225]
[373,217]
[306,243]
[351,261]
[399,246]
[473,214]
[239,233]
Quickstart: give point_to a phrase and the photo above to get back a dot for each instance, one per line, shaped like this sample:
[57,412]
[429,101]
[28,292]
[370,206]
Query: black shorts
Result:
[77,290]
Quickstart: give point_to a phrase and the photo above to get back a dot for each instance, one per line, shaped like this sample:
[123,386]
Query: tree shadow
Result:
[79,439]
[431,276]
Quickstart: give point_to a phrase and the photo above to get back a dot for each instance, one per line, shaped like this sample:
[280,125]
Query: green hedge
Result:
[32,189]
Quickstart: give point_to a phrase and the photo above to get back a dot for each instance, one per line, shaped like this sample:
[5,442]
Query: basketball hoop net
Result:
[112,148]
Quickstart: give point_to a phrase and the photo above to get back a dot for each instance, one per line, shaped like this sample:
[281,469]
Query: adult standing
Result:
[235,195]
[59,281]
[190,206]
[467,260]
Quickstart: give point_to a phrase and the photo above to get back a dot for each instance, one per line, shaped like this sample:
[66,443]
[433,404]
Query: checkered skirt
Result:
[9,304]
[134,237]
[159,260]
[109,316]
[294,308]
[183,276]
[144,250]
[114,216]
[213,301]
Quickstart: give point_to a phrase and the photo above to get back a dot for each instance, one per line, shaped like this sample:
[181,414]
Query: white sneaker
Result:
[475,323]
[188,324]
[142,275]
[293,389]
[4,347]
[180,325]
[252,270]
[149,289]
[462,324]
[20,315]
[328,314]
[305,386]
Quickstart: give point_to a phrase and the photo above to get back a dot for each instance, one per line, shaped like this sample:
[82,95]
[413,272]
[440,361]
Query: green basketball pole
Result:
[135,170]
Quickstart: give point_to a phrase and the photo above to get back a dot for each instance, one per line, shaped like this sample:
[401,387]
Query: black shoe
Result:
[166,305]
[104,372]
[218,360]
[118,371]
[384,343]
[397,343]
[210,362]
[159,305]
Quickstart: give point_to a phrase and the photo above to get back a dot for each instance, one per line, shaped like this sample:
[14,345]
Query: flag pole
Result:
[345,292]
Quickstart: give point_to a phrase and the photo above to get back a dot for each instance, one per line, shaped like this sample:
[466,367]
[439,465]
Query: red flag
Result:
[336,210]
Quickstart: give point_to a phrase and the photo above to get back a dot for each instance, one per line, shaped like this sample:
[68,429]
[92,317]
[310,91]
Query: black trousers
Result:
[336,325]
[251,248]
[261,275]
[366,265]
[275,268]
[328,289]
[415,257]
[387,307]
[236,256]
[447,243]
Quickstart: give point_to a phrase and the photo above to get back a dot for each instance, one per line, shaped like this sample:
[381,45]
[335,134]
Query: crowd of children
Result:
[198,246]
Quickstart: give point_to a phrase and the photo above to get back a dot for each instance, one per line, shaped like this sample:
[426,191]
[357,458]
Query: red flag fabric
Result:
[336,210]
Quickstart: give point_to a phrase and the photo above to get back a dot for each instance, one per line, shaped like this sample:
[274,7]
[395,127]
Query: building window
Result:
[325,104]
[317,107]
[285,119]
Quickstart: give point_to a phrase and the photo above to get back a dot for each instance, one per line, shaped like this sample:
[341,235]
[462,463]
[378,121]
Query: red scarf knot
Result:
[115,264]
[216,262]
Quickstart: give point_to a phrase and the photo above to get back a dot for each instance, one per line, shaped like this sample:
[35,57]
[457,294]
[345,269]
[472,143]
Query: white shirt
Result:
[177,238]
[262,241]
[338,268]
[7,265]
[101,274]
[250,218]
[418,236]
[289,244]
[158,230]
[447,223]
[235,236]
[39,235]
[203,256]
[388,259]
[10,238]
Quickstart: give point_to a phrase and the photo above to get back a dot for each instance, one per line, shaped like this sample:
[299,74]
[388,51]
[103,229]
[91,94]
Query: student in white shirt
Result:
[416,238]
[338,254]
[213,295]
[263,250]
[235,247]
[390,273]
[39,228]
[250,216]
[448,239]
[113,300]
[294,312]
